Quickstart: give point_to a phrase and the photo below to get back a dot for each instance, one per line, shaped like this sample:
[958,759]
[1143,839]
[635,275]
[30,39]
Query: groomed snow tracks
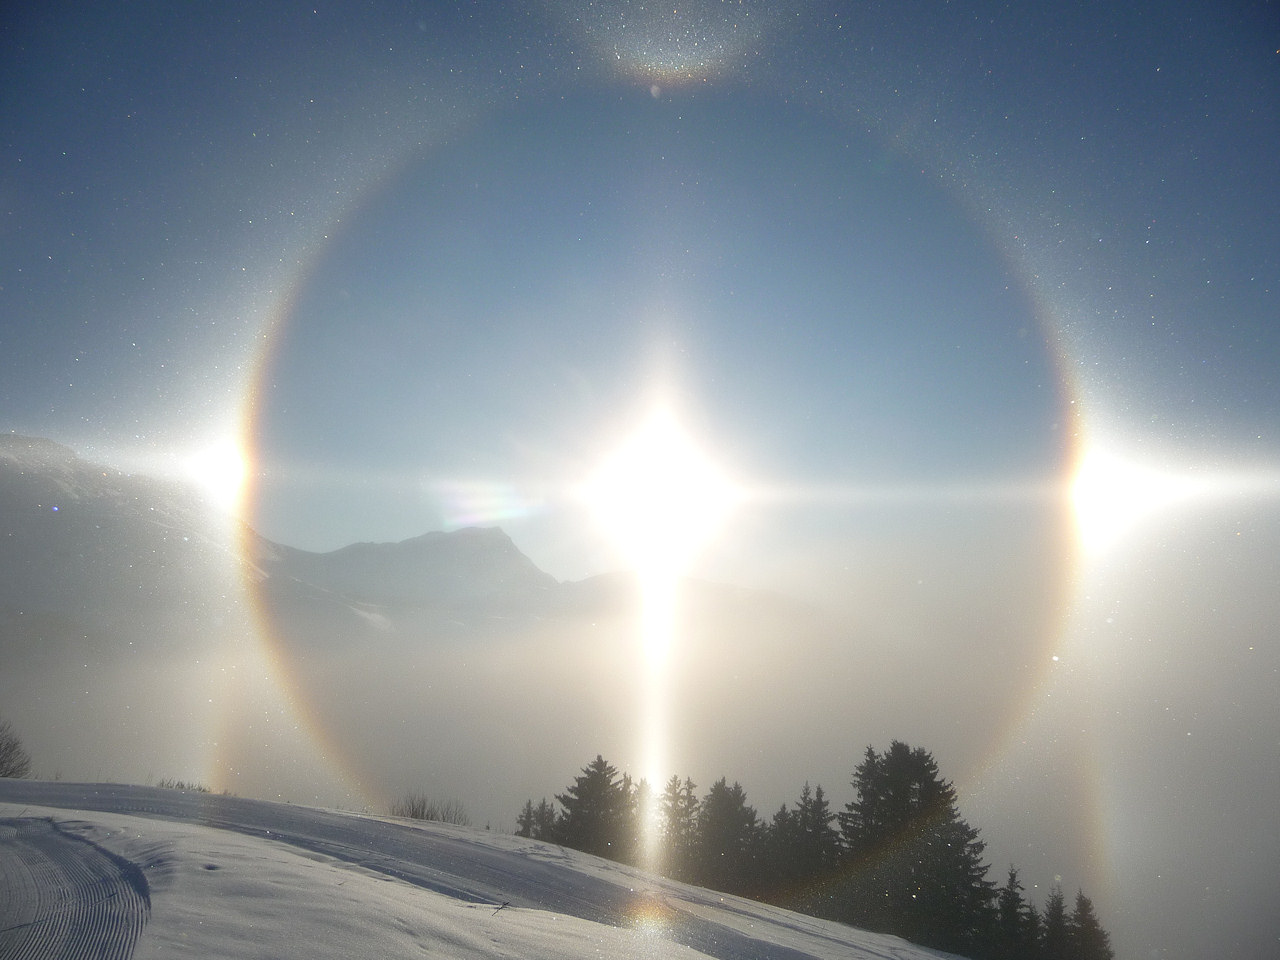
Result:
[62,897]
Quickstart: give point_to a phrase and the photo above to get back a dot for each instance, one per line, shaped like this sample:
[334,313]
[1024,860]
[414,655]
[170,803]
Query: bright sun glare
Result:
[659,497]
[1112,495]
[220,469]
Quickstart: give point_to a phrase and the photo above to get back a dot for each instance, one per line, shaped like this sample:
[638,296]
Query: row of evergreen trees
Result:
[897,859]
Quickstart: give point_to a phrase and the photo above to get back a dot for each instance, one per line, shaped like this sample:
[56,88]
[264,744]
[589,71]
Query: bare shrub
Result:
[14,760]
[418,806]
[168,783]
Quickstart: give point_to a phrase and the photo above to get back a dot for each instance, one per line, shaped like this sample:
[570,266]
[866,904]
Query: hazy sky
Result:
[898,268]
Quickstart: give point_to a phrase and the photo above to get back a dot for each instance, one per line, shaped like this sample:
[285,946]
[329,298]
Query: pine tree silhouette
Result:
[914,866]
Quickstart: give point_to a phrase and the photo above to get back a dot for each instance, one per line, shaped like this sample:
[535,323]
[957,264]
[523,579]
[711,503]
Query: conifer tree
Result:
[819,842]
[596,812]
[544,820]
[1035,932]
[1016,935]
[678,827]
[915,866]
[728,838]
[1085,937]
[636,804]
[803,850]
[1054,940]
[781,856]
[537,822]
[524,822]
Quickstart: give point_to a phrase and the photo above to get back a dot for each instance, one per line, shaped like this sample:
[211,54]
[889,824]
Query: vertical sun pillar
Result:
[659,498]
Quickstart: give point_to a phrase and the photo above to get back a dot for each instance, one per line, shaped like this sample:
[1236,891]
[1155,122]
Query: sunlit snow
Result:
[281,881]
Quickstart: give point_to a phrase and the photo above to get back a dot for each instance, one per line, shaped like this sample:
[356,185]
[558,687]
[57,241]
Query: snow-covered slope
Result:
[116,872]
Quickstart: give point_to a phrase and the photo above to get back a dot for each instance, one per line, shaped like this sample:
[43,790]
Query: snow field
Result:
[218,892]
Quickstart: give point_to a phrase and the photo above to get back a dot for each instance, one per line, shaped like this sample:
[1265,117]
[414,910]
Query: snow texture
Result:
[96,870]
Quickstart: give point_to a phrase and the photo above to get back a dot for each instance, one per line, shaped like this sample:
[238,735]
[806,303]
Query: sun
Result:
[1111,495]
[659,497]
[220,469]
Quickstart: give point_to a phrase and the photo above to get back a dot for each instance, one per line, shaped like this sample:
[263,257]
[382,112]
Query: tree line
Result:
[14,760]
[897,859]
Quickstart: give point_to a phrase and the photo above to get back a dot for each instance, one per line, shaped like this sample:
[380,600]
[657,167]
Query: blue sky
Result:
[829,313]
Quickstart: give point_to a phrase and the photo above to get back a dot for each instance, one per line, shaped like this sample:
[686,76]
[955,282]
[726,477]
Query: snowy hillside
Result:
[115,872]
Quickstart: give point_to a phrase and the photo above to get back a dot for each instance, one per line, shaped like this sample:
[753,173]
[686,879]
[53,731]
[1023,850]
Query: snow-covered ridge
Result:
[232,877]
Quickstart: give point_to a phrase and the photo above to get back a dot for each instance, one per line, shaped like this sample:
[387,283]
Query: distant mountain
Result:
[82,540]
[468,583]
[77,536]
[472,565]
